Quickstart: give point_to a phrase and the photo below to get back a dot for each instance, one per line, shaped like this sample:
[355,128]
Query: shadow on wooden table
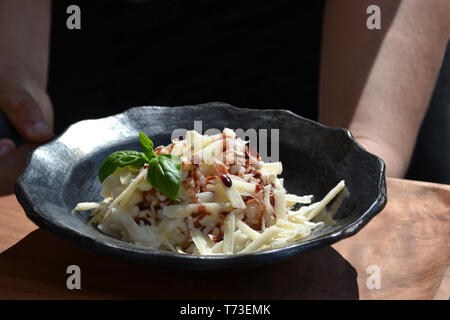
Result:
[35,268]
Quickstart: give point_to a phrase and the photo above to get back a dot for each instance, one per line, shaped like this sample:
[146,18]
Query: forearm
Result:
[378,83]
[25,35]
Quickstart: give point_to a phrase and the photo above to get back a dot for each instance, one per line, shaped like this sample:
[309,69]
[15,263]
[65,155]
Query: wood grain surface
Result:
[407,244]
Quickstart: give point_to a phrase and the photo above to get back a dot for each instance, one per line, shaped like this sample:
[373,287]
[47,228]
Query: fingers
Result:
[6,146]
[11,167]
[46,108]
[26,116]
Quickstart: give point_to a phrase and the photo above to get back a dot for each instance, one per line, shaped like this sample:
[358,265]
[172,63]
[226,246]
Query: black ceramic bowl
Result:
[315,158]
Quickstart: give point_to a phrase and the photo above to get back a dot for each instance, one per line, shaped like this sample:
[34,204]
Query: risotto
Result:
[220,198]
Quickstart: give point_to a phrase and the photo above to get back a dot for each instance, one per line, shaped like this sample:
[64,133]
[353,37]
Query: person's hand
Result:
[29,109]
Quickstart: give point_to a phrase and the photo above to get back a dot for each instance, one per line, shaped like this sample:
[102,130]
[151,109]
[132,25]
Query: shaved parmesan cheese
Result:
[322,204]
[272,168]
[207,140]
[228,236]
[125,176]
[280,204]
[185,210]
[240,241]
[83,206]
[279,183]
[123,197]
[200,241]
[218,247]
[264,238]
[292,199]
[269,219]
[232,195]
[252,234]
[205,197]
[243,187]
[209,153]
[229,133]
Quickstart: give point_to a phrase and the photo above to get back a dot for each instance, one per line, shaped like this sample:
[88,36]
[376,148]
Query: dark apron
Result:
[256,54]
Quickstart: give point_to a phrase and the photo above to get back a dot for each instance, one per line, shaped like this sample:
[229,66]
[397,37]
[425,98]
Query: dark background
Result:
[254,54]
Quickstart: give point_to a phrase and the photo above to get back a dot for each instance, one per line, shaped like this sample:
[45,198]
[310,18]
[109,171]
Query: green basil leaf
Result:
[147,145]
[120,159]
[164,173]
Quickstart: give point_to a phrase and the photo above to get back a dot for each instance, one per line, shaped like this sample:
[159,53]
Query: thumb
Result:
[26,116]
[11,166]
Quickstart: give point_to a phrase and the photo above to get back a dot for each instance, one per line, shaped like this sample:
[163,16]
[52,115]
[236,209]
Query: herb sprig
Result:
[164,170]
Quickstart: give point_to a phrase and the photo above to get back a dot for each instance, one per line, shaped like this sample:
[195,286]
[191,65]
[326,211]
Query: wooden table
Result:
[404,251]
